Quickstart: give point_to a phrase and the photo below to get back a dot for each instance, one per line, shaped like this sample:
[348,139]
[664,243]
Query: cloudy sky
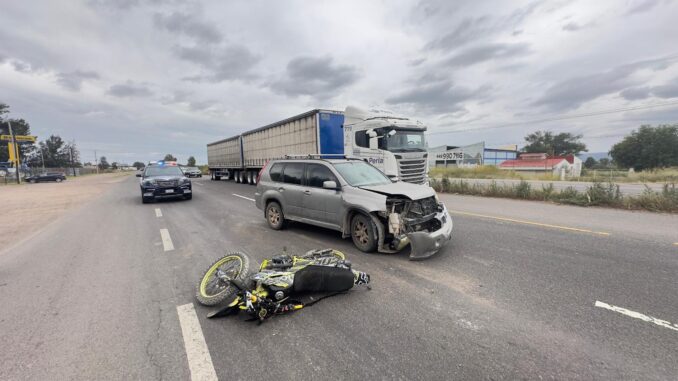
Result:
[135,79]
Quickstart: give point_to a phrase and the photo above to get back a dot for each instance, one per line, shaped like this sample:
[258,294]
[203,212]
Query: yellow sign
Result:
[12,156]
[19,138]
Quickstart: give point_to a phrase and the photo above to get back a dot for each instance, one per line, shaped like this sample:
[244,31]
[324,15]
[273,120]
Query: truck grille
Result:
[167,184]
[412,171]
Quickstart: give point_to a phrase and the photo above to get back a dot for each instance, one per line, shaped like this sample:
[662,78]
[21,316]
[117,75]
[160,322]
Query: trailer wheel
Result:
[241,177]
[250,178]
[236,176]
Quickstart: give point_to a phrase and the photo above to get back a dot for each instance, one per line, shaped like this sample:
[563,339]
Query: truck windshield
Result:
[163,171]
[402,140]
[360,174]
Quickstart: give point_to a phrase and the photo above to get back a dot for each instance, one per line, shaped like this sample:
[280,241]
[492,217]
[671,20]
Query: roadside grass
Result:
[666,175]
[598,194]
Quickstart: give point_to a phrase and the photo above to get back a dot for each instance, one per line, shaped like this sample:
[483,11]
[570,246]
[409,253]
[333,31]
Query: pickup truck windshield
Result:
[163,171]
[360,174]
[402,141]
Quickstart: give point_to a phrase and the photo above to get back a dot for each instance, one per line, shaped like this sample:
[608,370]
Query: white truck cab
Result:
[395,145]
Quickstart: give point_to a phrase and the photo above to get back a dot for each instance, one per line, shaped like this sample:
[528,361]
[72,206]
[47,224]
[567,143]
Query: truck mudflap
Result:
[425,244]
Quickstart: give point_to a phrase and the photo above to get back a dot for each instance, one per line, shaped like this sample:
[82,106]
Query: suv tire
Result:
[363,233]
[274,216]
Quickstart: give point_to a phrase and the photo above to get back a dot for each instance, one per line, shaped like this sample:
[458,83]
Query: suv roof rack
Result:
[320,156]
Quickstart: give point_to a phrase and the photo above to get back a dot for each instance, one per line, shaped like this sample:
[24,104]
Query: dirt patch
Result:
[26,209]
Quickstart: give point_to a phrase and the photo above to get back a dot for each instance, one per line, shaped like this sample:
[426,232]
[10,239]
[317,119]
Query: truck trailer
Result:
[395,145]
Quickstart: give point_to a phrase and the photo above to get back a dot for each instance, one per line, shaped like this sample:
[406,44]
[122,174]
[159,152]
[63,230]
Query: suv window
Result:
[276,172]
[293,173]
[317,174]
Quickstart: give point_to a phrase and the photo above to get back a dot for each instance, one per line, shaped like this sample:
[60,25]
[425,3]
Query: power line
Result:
[557,118]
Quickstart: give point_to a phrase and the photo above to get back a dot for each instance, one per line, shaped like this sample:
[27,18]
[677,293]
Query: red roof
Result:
[548,163]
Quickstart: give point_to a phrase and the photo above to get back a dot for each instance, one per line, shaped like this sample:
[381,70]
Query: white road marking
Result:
[166,240]
[246,198]
[637,315]
[197,183]
[199,359]
[158,212]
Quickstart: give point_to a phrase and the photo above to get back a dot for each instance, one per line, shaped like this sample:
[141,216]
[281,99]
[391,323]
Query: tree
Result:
[191,161]
[138,165]
[19,127]
[114,165]
[648,148]
[169,157]
[103,163]
[590,162]
[563,143]
[604,163]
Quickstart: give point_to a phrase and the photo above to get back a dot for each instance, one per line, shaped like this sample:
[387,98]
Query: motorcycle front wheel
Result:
[212,289]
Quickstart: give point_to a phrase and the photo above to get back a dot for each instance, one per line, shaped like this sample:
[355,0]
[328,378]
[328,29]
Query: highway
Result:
[524,290]
[581,186]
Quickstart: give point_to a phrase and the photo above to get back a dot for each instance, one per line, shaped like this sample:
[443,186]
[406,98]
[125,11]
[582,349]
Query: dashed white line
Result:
[246,198]
[637,315]
[166,240]
[199,359]
[158,212]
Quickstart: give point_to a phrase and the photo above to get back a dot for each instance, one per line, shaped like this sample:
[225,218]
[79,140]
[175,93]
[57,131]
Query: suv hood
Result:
[401,188]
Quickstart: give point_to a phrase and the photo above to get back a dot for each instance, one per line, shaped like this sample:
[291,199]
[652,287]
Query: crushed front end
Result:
[425,224]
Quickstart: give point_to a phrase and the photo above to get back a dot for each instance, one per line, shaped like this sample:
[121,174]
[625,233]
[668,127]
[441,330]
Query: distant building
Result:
[470,155]
[541,163]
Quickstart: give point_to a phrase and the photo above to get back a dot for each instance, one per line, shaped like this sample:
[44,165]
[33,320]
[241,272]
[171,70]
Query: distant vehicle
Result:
[358,200]
[164,180]
[192,171]
[44,177]
[395,145]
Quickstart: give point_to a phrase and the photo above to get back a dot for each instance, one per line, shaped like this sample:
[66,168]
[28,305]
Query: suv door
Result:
[291,189]
[320,204]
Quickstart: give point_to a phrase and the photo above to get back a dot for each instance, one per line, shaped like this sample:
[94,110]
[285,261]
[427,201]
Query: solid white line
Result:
[246,198]
[637,315]
[199,359]
[166,240]
[158,212]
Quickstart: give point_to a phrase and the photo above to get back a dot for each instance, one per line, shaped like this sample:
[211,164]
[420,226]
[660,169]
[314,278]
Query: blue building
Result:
[496,156]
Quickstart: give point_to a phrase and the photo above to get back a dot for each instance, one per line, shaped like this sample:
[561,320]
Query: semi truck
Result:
[395,145]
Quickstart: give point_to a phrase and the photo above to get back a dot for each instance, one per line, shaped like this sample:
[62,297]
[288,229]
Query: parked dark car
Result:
[49,176]
[192,171]
[164,181]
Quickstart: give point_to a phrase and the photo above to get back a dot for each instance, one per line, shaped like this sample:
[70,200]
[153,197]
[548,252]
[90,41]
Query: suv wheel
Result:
[58,180]
[275,216]
[362,233]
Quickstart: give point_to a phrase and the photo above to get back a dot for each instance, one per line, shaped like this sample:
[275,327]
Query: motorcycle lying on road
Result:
[271,291]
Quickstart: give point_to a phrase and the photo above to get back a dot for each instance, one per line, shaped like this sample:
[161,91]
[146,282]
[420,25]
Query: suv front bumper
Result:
[166,192]
[425,244]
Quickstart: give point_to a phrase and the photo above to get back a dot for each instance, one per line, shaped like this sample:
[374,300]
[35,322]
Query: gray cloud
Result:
[642,6]
[315,76]
[573,92]
[487,52]
[572,26]
[73,80]
[188,25]
[469,29]
[220,63]
[668,90]
[635,93]
[21,66]
[129,89]
[438,95]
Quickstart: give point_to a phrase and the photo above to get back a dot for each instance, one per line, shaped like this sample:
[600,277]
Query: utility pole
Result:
[43,160]
[96,161]
[15,147]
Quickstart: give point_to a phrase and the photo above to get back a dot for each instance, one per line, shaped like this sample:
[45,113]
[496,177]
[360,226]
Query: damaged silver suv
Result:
[355,198]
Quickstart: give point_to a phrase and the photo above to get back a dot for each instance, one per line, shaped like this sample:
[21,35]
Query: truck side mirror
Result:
[330,185]
[138,174]
[392,132]
[374,143]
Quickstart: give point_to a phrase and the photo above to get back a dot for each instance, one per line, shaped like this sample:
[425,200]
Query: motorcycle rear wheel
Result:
[211,290]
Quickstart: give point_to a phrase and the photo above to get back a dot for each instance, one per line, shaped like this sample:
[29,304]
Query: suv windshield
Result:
[163,171]
[360,174]
[402,140]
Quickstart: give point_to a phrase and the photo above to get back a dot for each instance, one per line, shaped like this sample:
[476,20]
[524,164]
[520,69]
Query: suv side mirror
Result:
[138,174]
[330,185]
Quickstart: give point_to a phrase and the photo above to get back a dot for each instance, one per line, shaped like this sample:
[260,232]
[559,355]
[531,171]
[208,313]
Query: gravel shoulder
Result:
[29,208]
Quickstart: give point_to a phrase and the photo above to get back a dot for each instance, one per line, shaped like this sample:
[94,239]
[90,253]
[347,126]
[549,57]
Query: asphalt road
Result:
[582,186]
[95,296]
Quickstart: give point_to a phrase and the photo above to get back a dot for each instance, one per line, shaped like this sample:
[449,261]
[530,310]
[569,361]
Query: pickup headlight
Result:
[149,183]
[185,181]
